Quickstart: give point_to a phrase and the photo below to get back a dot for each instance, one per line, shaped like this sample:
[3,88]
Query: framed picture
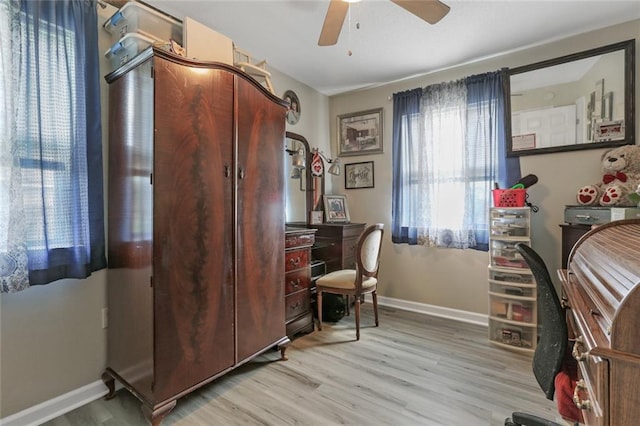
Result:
[335,207]
[358,175]
[360,133]
[316,217]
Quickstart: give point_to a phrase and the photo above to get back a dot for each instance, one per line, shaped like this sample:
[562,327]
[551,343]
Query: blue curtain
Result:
[474,155]
[56,144]
[485,121]
[406,111]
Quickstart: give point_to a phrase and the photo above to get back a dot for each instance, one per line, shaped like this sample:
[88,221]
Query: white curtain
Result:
[443,168]
[14,274]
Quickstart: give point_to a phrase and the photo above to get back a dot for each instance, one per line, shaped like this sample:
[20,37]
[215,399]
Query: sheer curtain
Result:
[447,156]
[51,197]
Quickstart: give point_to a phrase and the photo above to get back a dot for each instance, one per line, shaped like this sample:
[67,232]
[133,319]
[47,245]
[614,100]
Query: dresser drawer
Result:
[298,240]
[296,280]
[349,247]
[296,304]
[296,259]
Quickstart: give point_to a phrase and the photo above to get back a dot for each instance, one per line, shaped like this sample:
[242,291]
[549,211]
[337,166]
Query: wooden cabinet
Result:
[196,225]
[336,243]
[297,283]
[571,233]
[513,320]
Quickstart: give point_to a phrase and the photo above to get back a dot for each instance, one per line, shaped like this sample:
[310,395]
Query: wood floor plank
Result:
[412,370]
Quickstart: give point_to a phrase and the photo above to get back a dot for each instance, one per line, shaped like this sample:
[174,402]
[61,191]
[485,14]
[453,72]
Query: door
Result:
[193,236]
[260,216]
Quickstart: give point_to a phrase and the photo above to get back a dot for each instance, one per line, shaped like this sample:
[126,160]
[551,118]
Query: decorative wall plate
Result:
[293,114]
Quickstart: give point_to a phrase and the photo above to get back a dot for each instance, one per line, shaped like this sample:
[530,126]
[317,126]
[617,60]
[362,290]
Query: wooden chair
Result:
[356,282]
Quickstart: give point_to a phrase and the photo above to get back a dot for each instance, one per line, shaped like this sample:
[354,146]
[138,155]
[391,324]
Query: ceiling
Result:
[391,44]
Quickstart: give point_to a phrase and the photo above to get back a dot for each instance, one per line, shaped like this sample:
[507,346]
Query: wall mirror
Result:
[579,101]
[303,191]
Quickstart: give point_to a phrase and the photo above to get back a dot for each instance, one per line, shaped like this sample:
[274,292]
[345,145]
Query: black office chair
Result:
[552,345]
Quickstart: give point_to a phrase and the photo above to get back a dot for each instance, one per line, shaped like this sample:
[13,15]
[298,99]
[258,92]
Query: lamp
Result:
[334,168]
[298,158]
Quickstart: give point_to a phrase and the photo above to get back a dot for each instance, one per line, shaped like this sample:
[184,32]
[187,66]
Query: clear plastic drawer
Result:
[512,309]
[509,334]
[505,255]
[135,17]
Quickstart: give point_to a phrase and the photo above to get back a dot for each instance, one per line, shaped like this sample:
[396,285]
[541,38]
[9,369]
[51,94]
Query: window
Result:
[51,198]
[448,149]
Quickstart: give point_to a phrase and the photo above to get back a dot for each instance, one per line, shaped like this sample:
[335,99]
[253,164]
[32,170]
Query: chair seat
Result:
[345,280]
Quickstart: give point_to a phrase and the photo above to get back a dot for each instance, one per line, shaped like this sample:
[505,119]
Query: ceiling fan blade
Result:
[429,10]
[333,22]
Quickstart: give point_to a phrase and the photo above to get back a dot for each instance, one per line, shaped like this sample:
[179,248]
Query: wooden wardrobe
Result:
[196,225]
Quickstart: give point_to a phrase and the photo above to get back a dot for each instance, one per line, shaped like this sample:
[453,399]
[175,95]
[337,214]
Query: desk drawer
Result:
[296,304]
[296,259]
[592,389]
[296,281]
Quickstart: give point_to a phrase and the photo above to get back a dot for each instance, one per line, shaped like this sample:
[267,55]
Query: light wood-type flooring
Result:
[412,370]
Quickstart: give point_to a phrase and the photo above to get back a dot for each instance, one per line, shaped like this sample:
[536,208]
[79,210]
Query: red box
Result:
[509,197]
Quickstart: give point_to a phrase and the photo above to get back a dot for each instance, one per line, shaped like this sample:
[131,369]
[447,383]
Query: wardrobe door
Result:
[193,188]
[260,201]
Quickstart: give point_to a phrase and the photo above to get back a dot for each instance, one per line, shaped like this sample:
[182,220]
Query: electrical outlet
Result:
[105,317]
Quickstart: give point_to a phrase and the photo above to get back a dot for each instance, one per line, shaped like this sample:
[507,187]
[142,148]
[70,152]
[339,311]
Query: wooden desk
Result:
[601,289]
[336,243]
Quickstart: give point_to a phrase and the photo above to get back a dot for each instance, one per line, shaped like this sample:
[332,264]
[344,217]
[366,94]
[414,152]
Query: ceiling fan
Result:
[429,10]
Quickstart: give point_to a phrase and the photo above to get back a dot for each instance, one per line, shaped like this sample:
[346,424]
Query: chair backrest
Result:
[552,345]
[368,250]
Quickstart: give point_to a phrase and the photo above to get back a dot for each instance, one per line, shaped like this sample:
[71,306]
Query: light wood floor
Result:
[412,370]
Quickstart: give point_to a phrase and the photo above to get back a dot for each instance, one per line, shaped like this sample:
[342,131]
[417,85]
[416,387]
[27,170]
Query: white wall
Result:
[452,278]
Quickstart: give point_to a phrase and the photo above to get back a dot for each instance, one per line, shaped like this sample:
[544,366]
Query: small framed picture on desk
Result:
[335,207]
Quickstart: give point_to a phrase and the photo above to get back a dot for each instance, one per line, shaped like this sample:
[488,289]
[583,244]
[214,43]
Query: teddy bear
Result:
[621,168]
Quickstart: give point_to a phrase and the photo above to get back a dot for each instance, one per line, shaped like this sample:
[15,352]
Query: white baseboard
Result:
[437,311]
[57,406]
[62,404]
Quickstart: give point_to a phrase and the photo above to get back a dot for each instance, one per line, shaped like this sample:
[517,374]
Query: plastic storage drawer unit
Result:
[137,18]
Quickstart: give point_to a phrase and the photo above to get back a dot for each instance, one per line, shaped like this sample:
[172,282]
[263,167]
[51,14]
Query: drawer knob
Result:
[583,404]
[294,261]
[294,283]
[579,356]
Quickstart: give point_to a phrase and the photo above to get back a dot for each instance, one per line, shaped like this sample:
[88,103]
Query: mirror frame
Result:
[307,173]
[628,47]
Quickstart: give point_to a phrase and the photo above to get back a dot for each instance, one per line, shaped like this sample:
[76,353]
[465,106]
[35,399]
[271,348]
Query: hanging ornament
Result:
[317,166]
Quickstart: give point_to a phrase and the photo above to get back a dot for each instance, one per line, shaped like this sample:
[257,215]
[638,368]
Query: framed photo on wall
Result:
[335,207]
[358,175]
[360,133]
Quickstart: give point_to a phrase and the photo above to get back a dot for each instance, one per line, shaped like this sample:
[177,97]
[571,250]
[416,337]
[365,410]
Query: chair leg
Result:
[374,296]
[357,318]
[346,304]
[319,303]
